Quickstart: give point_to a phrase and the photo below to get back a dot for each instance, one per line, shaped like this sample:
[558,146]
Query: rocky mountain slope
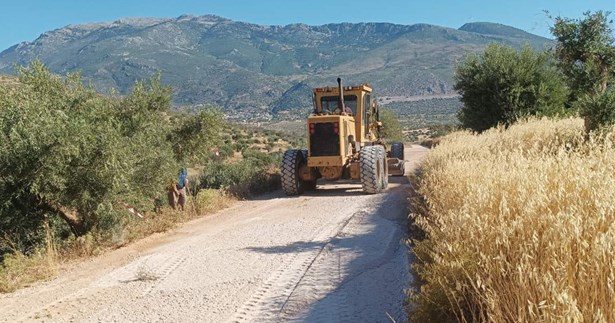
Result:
[249,69]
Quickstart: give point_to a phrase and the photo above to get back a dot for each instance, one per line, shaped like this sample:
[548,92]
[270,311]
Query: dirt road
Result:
[334,255]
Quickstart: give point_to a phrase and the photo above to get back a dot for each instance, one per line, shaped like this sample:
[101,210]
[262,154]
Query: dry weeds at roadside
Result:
[205,202]
[19,270]
[520,226]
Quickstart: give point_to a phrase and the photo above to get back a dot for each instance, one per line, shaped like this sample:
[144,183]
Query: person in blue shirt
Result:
[182,187]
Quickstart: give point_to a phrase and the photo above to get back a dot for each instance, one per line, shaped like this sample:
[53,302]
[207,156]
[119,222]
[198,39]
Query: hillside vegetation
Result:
[429,118]
[518,225]
[252,71]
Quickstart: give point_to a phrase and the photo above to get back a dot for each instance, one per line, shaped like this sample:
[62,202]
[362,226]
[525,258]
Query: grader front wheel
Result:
[397,150]
[396,164]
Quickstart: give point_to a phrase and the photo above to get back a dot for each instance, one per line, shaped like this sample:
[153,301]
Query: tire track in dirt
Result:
[330,286]
[269,303]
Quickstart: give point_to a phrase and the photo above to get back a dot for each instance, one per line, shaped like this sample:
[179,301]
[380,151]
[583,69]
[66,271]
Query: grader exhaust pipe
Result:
[341,90]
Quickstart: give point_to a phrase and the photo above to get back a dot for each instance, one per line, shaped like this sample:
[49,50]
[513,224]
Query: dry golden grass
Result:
[19,270]
[519,225]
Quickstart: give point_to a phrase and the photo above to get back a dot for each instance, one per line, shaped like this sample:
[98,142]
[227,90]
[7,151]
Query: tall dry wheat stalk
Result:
[520,226]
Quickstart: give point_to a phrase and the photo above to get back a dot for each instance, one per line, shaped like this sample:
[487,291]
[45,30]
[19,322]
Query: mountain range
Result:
[251,70]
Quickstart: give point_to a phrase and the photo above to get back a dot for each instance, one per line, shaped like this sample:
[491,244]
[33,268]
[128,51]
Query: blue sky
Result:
[25,20]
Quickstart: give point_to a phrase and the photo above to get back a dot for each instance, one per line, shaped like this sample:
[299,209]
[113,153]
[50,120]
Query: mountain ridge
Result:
[259,70]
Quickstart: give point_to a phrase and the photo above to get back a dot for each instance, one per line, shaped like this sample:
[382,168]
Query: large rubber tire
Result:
[308,185]
[291,163]
[385,169]
[372,166]
[397,150]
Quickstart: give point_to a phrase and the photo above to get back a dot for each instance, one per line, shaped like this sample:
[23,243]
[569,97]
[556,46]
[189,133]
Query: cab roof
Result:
[334,89]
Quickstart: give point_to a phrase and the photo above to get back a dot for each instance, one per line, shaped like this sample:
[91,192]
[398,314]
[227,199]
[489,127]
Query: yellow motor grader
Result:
[343,143]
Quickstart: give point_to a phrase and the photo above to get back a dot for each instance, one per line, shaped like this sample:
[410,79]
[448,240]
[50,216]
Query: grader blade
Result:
[395,166]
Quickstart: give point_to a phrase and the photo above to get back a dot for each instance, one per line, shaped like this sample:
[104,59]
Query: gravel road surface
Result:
[333,255]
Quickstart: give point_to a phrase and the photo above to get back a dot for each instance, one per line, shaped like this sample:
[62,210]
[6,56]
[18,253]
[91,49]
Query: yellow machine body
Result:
[343,142]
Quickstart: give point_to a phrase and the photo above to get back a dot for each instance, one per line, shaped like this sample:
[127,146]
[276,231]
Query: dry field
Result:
[519,226]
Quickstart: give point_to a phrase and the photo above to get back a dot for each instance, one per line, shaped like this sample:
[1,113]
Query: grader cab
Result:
[343,143]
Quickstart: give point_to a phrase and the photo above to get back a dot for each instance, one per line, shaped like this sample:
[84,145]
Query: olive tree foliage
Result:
[194,136]
[504,84]
[585,54]
[67,151]
[391,129]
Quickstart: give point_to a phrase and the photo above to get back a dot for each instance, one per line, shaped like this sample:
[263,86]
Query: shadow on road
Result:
[295,247]
[402,180]
[373,281]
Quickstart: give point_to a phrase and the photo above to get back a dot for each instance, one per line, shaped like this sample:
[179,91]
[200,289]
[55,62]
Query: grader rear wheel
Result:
[371,163]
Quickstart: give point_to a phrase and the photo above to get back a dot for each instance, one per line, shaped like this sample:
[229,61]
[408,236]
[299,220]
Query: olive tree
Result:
[194,136]
[391,128]
[503,84]
[68,151]
[585,54]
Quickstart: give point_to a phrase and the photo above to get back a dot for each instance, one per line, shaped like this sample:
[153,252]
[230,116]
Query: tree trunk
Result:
[71,217]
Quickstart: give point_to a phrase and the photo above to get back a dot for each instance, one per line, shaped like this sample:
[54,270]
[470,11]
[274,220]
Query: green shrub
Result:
[259,158]
[598,110]
[503,85]
[225,151]
[238,147]
[439,130]
[391,129]
[253,174]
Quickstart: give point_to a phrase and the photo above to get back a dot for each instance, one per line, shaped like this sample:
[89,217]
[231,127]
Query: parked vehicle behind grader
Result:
[343,143]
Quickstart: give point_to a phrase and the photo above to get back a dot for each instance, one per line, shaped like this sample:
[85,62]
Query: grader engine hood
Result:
[328,139]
